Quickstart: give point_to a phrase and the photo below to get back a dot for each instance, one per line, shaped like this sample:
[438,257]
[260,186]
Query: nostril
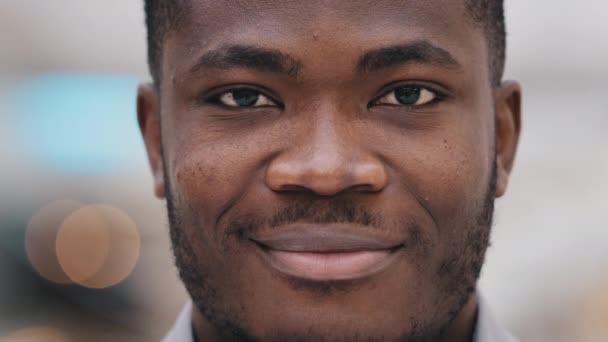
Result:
[325,173]
[293,188]
[365,188]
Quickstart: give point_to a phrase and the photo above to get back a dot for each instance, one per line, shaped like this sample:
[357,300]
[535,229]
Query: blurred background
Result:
[84,250]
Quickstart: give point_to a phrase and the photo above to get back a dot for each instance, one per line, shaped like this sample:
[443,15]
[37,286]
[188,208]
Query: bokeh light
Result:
[79,123]
[40,239]
[594,319]
[98,246]
[83,243]
[36,334]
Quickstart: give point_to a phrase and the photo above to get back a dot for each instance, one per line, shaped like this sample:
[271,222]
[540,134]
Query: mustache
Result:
[325,212]
[315,211]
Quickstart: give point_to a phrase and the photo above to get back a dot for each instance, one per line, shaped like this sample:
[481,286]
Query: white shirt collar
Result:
[487,328]
[182,329]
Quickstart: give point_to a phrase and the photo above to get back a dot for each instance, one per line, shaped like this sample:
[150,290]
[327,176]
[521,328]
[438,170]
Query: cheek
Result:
[447,171]
[459,184]
[209,172]
[205,178]
[203,167]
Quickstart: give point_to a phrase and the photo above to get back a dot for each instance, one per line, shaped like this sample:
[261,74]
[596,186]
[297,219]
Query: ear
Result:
[148,116]
[507,126]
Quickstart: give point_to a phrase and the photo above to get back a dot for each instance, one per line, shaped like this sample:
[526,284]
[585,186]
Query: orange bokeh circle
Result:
[98,246]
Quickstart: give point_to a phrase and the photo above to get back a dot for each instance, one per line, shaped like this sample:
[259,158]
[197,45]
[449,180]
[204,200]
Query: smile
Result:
[322,254]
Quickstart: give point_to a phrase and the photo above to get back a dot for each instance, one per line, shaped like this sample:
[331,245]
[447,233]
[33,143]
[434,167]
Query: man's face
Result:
[329,166]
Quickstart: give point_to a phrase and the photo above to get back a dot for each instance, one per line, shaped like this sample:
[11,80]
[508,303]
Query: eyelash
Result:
[215,98]
[439,95]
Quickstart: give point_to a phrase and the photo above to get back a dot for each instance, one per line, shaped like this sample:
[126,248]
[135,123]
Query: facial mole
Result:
[315,36]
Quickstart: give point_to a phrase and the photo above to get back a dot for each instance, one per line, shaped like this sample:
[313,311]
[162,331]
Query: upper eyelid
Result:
[215,93]
[390,88]
[441,94]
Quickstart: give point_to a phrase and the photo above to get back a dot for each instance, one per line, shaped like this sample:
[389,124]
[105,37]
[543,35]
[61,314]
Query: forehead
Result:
[309,28]
[298,14]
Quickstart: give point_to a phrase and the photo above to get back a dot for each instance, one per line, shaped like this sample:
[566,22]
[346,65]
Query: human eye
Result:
[242,98]
[408,95]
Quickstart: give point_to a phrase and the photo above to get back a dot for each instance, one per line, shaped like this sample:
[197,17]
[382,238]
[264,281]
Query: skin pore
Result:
[373,119]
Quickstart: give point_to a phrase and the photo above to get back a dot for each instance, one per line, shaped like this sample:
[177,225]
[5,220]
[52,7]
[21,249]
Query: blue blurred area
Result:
[79,123]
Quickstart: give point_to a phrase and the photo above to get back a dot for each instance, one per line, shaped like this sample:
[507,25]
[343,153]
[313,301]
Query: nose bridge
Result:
[326,157]
[325,142]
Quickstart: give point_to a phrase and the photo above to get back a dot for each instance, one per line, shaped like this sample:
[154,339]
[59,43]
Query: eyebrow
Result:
[420,51]
[249,56]
[275,61]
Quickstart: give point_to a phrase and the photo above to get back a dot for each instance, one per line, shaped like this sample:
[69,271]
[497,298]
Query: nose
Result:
[326,159]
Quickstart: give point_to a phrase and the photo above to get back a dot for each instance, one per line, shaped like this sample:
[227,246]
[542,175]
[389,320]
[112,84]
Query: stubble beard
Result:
[458,275]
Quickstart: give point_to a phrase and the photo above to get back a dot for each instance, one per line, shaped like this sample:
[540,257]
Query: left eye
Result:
[408,96]
[244,98]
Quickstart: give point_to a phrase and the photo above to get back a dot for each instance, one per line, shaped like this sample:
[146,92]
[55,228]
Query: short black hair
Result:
[490,15]
[163,15]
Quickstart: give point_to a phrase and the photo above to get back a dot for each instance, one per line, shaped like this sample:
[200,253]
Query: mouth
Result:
[326,253]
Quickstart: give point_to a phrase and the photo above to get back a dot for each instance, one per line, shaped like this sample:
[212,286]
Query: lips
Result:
[327,252]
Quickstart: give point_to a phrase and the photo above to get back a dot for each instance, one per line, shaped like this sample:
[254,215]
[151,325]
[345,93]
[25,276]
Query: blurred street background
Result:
[71,157]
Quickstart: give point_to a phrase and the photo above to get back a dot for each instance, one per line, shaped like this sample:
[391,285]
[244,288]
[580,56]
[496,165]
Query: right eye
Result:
[243,98]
